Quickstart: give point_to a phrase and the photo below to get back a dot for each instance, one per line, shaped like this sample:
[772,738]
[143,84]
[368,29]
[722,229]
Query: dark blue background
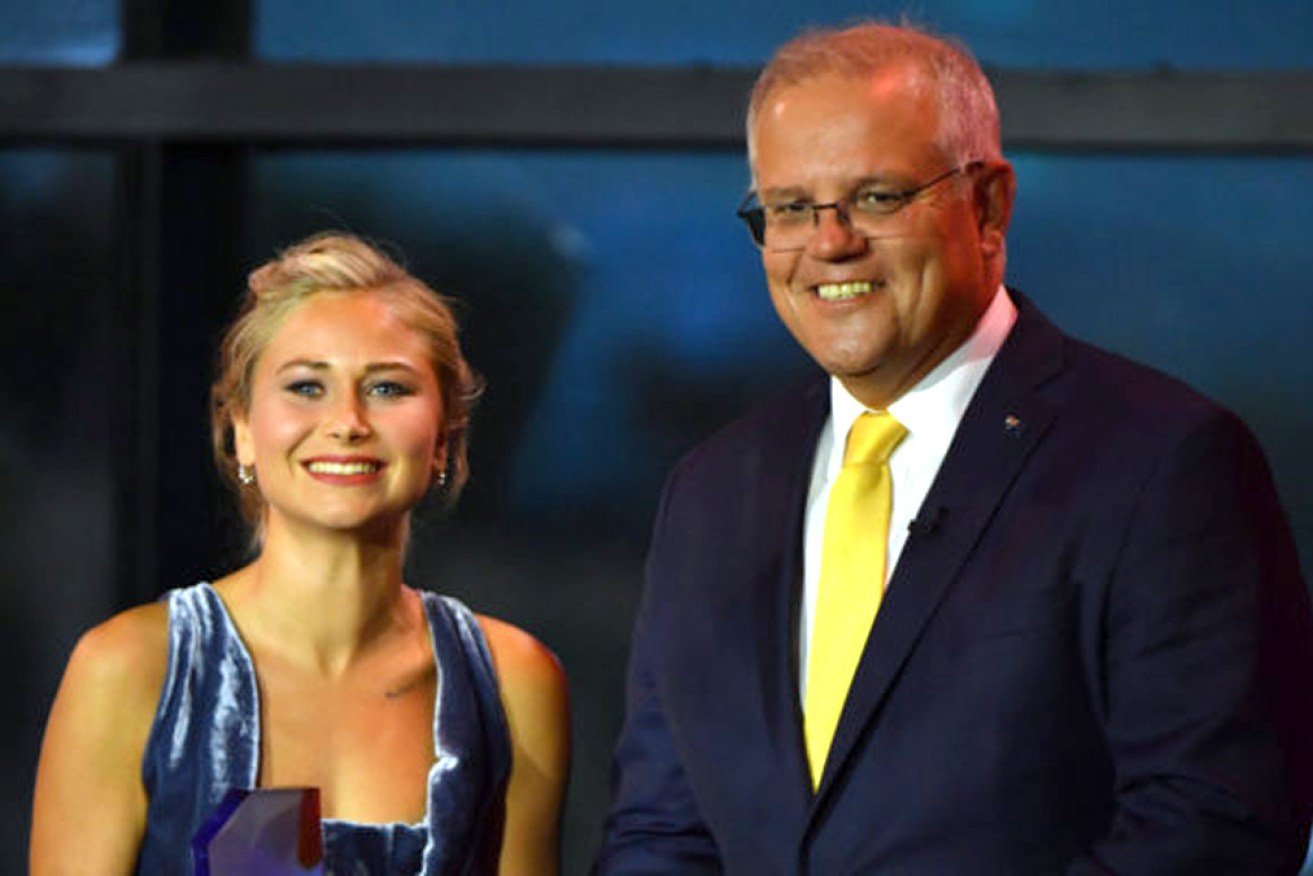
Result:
[615,304]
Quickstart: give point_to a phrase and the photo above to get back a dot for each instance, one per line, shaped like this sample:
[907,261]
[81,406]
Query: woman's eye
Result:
[305,388]
[388,389]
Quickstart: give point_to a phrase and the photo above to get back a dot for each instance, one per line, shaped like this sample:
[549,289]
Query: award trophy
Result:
[265,832]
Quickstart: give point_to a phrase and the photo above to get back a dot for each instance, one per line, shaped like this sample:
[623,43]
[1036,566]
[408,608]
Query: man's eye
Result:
[305,388]
[876,201]
[791,211]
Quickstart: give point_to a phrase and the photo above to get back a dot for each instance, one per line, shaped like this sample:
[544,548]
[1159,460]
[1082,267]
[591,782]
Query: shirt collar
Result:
[935,405]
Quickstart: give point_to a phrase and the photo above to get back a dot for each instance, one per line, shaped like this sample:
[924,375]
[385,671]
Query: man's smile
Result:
[844,291]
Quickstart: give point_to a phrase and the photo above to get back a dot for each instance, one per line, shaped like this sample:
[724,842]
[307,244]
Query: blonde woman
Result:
[438,739]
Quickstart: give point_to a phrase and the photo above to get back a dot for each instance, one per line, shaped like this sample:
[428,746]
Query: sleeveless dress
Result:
[206,740]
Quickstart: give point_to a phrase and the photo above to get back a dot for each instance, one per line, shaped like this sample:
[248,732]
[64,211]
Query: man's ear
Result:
[994,196]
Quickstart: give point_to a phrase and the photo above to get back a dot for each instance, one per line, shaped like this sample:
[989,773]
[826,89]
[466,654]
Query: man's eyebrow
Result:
[782,193]
[876,179]
[801,193]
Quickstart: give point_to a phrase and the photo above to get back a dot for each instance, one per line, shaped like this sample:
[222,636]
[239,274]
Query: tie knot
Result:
[872,438]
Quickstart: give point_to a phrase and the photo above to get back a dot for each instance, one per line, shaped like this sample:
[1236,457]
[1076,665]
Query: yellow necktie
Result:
[852,577]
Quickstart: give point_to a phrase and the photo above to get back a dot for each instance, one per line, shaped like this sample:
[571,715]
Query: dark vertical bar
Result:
[185,29]
[182,213]
[202,206]
[136,353]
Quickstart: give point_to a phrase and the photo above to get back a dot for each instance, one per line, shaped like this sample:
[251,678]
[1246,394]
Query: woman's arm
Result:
[534,696]
[89,809]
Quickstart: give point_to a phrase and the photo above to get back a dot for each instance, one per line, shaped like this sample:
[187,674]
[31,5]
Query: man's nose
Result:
[833,235]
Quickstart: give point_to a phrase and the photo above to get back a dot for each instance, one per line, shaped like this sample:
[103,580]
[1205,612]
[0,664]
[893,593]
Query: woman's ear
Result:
[441,464]
[243,446]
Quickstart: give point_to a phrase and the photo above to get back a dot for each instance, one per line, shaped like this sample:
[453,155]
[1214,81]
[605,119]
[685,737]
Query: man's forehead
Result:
[890,103]
[894,81]
[879,126]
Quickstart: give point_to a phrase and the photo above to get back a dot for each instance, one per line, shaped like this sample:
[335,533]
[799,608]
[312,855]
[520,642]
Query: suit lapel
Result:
[779,478]
[1007,417]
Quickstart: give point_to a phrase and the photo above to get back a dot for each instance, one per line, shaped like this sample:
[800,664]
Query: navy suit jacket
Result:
[1094,654]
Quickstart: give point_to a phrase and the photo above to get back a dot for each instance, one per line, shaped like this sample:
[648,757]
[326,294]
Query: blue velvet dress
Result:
[206,740]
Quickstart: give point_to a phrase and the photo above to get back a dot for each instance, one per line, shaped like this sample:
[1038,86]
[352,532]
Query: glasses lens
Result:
[756,222]
[788,226]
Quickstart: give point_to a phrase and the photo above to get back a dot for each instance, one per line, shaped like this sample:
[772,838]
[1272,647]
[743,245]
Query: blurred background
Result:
[569,171]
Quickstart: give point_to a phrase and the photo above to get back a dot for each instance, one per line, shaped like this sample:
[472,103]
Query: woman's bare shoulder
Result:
[535,697]
[89,776]
[519,657]
[126,656]
[533,687]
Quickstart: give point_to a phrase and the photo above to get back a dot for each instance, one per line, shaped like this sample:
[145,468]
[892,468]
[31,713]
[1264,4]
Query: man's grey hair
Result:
[968,114]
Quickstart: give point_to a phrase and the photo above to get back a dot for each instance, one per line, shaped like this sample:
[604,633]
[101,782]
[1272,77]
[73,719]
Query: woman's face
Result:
[345,419]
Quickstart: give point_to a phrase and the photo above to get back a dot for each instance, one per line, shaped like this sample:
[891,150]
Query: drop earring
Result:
[245,474]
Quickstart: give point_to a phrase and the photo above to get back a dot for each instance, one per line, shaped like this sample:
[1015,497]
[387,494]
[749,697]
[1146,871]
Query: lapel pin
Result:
[1013,426]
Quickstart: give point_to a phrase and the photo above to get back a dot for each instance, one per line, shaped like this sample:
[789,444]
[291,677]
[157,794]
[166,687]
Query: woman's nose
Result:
[348,421]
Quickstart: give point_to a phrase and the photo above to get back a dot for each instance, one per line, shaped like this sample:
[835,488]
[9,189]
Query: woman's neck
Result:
[323,599]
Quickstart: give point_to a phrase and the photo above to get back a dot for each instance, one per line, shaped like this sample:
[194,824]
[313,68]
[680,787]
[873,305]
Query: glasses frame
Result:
[755,217]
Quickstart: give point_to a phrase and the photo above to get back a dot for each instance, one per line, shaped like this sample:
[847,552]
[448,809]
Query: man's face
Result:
[877,312]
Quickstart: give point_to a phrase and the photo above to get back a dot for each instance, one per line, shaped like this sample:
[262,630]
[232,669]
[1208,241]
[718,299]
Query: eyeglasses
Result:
[790,225]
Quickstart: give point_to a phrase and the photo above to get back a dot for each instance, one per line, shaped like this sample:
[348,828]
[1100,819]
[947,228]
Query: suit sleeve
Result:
[654,826]
[1207,671]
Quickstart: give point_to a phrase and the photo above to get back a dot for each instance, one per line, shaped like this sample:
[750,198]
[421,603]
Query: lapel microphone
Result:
[927,522]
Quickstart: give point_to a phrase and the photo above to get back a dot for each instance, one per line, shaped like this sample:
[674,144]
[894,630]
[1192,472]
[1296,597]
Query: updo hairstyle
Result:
[336,262]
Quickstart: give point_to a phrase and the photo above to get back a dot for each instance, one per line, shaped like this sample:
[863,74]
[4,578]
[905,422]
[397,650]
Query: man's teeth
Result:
[842,291]
[343,468]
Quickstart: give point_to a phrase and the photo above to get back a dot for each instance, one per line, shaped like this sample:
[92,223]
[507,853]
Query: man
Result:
[1090,650]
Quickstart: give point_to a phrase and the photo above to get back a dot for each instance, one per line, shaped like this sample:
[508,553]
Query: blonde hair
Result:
[340,263]
[968,115]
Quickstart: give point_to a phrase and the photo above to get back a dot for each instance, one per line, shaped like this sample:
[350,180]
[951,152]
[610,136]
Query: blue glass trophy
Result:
[265,832]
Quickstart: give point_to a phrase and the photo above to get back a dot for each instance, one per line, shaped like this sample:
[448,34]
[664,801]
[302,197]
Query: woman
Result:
[438,741]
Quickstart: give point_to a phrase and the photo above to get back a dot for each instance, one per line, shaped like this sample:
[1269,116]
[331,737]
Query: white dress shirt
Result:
[931,412]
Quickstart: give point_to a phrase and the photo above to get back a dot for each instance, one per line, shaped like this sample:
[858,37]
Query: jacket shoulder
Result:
[790,417]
